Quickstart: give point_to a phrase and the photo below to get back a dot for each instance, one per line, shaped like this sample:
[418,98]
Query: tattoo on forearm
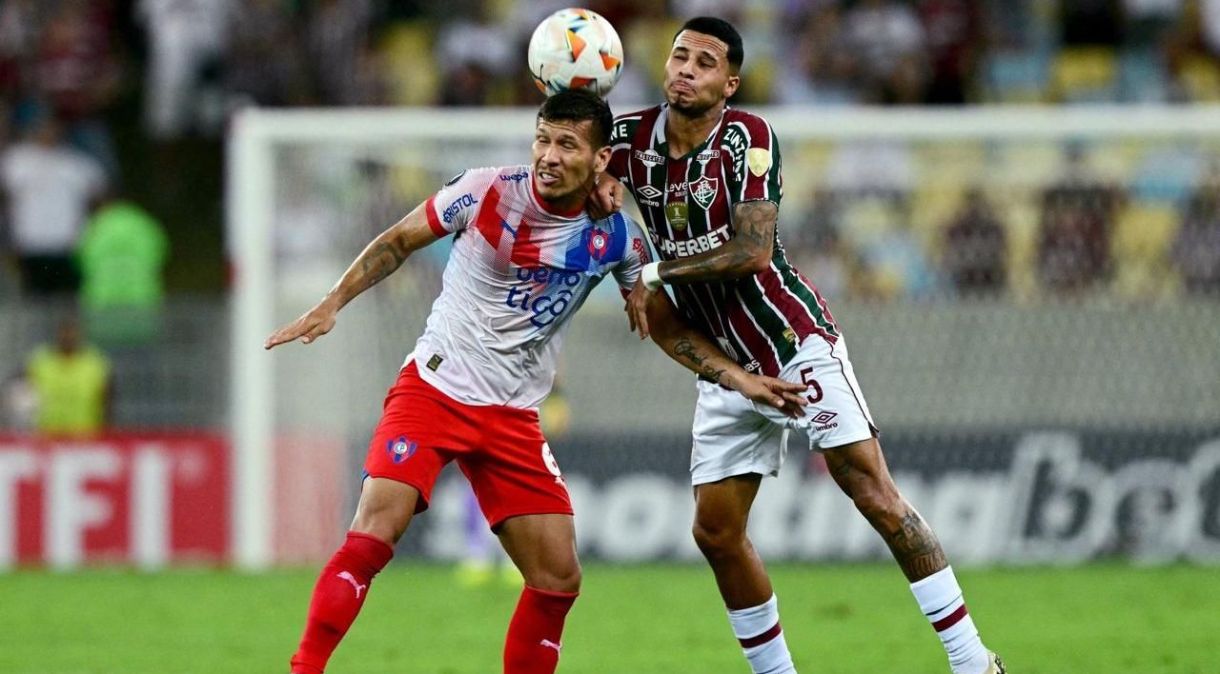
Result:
[915,547]
[380,261]
[685,348]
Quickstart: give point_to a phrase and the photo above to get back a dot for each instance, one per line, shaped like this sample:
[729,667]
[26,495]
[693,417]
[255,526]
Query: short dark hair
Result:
[721,30]
[578,105]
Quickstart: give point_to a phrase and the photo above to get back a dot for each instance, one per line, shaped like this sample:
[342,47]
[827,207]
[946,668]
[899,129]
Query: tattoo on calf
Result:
[915,547]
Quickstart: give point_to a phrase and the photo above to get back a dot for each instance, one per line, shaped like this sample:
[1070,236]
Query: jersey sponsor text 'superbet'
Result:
[517,273]
[759,320]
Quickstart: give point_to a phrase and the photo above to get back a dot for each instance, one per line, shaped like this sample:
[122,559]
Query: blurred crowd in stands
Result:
[112,115]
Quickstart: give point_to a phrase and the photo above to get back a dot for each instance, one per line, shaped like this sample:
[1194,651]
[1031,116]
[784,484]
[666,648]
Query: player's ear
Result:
[731,86]
[601,159]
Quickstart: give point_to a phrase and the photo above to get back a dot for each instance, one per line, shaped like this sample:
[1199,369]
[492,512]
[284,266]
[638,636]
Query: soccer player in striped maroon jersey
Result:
[528,256]
[707,179]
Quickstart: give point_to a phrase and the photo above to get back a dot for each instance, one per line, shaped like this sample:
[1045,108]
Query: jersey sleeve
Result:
[450,209]
[756,171]
[635,256]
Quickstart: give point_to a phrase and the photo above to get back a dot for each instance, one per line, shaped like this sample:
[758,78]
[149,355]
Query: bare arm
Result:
[748,252]
[379,259]
[700,355]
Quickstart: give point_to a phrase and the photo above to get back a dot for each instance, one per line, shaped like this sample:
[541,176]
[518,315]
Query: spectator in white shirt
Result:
[49,189]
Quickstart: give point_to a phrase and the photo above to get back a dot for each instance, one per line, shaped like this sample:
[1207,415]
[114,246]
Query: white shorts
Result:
[734,436]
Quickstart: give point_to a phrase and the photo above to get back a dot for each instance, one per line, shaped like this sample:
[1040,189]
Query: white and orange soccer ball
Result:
[575,49]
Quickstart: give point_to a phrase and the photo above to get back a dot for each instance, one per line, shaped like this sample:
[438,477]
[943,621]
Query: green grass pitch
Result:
[630,619]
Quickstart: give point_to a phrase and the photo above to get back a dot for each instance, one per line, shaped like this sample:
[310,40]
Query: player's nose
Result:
[550,157]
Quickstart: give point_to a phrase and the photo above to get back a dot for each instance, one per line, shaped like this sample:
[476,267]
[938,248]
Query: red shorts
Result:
[501,450]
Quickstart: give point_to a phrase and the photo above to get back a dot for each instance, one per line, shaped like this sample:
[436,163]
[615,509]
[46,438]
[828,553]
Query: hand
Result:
[313,324]
[785,396]
[606,197]
[637,307]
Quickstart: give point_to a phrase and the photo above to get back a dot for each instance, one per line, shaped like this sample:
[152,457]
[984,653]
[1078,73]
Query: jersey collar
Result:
[661,144]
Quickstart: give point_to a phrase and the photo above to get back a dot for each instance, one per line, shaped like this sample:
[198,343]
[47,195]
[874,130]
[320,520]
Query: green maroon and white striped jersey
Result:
[687,204]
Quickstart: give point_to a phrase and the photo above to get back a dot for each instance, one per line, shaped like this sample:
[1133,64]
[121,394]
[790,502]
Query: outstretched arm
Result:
[748,252]
[700,355]
[379,259]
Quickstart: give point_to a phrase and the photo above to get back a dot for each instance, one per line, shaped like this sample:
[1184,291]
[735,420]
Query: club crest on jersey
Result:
[599,243]
[704,191]
[400,449]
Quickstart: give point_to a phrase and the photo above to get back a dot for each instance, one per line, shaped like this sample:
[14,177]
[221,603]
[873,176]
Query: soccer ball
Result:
[575,49]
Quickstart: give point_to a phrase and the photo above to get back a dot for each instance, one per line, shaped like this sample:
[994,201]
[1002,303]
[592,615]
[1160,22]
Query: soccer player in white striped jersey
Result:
[707,179]
[527,257]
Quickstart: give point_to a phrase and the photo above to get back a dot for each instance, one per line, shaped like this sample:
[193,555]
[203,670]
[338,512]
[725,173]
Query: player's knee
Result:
[564,577]
[384,526]
[717,539]
[385,509]
[878,501]
[387,522]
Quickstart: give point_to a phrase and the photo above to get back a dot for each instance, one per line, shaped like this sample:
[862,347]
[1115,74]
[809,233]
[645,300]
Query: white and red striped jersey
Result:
[517,273]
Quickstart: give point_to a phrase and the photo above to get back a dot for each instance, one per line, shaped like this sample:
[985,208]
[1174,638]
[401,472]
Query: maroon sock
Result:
[337,598]
[533,641]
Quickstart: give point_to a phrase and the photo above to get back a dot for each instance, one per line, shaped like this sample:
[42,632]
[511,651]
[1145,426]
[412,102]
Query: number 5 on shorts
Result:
[811,383]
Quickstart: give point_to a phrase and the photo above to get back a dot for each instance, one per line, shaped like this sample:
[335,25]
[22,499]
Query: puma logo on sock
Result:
[352,580]
[550,644]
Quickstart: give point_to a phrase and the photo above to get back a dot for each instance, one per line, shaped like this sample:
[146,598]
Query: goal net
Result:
[1031,298]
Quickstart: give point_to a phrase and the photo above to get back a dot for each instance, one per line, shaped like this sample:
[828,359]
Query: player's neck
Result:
[684,132]
[567,206]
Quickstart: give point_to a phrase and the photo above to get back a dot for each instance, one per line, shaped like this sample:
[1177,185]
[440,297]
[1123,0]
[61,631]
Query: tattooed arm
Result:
[748,252]
[700,355]
[379,259]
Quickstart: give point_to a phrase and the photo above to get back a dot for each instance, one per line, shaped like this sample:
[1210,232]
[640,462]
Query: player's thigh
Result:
[385,508]
[513,472]
[723,507]
[837,413]
[729,437]
[421,430]
[544,549]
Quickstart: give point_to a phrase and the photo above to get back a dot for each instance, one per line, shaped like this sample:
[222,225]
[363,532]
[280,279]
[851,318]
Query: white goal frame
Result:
[250,201]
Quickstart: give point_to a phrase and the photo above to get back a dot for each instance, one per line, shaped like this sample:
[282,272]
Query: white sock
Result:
[940,599]
[762,639]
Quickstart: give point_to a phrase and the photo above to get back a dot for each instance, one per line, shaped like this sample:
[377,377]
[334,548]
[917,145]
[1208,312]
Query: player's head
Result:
[703,65]
[571,145]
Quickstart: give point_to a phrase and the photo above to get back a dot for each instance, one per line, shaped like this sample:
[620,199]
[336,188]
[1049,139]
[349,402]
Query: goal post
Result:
[306,189]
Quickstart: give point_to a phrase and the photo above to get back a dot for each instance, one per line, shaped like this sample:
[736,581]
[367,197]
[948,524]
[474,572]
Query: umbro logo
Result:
[650,192]
[824,417]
